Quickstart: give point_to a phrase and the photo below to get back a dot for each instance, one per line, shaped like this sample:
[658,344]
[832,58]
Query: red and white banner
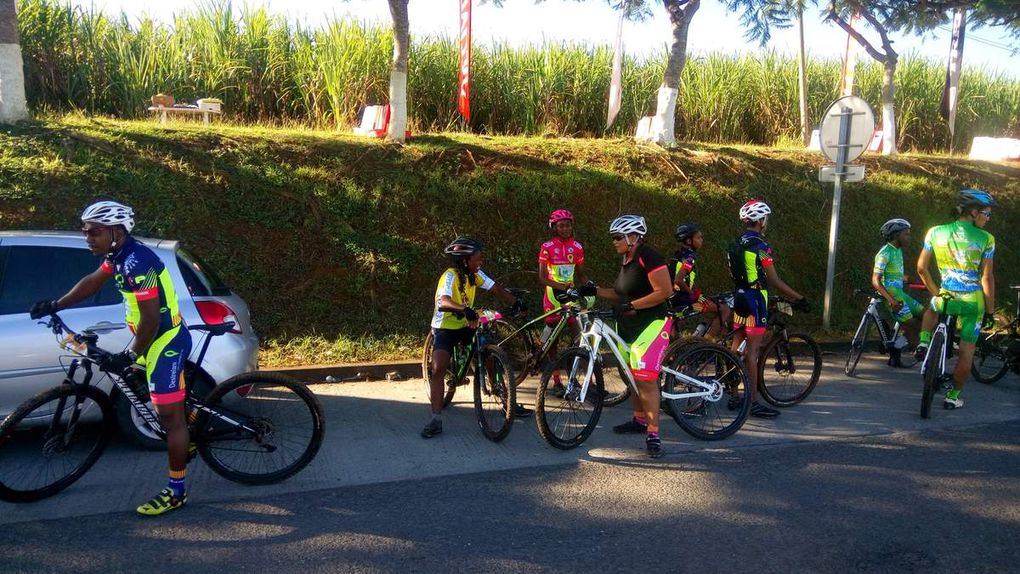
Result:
[464,89]
[846,85]
[951,90]
[616,81]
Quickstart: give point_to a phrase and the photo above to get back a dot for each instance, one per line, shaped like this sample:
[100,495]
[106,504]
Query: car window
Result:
[35,273]
[201,280]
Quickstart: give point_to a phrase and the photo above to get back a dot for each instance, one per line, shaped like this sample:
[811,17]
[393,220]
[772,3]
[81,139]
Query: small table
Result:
[162,110]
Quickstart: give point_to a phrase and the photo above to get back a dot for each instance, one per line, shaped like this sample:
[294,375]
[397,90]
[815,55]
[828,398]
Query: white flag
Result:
[616,83]
[849,61]
[951,90]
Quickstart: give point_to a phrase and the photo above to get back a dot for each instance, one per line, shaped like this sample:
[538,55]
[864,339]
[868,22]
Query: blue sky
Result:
[522,22]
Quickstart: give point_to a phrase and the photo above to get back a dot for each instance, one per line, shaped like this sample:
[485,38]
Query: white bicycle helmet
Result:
[893,226]
[754,210]
[627,224]
[109,213]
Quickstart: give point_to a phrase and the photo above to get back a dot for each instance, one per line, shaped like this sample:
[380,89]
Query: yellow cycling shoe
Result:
[162,503]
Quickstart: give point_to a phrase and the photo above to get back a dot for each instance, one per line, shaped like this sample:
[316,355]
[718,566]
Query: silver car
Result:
[45,265]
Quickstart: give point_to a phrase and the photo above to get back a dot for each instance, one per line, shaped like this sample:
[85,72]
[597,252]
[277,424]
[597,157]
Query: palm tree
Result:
[12,74]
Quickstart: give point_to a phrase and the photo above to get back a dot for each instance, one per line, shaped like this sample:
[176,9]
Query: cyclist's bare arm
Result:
[680,283]
[924,272]
[148,324]
[785,290]
[88,286]
[503,294]
[876,282]
[608,293]
[661,290]
[446,304]
[988,284]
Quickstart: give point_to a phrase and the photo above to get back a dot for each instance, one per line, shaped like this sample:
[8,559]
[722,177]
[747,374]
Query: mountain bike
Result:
[789,363]
[494,389]
[888,339]
[255,428]
[933,367]
[704,387]
[998,352]
[531,346]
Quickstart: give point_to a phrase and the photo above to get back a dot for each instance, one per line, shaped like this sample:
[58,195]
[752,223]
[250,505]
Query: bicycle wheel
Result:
[495,394]
[426,373]
[566,422]
[789,367]
[990,358]
[614,381]
[857,346]
[263,428]
[712,417]
[931,372]
[519,347]
[52,440]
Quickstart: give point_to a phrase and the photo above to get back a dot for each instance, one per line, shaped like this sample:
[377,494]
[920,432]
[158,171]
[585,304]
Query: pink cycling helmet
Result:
[560,215]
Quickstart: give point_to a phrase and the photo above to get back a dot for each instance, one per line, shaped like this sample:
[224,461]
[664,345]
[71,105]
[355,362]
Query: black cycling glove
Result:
[470,314]
[988,322]
[623,310]
[803,305]
[589,289]
[118,362]
[518,307]
[43,308]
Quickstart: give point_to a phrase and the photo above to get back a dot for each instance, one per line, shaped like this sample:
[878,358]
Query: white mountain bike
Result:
[704,386]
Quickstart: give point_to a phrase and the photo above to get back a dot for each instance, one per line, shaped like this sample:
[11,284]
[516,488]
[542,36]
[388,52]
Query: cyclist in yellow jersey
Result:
[964,253]
[455,320]
[161,343]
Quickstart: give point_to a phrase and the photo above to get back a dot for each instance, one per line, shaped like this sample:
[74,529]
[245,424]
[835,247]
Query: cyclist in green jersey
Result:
[964,253]
[888,277]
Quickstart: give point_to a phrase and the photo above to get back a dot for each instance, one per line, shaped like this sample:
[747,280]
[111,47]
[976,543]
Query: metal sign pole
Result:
[837,197]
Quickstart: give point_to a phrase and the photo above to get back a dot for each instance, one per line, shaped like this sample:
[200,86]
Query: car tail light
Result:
[216,313]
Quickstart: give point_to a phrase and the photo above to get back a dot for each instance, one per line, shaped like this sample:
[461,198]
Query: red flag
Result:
[464,90]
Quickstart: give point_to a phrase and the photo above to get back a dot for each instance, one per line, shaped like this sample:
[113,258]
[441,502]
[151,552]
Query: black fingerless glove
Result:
[43,308]
[470,314]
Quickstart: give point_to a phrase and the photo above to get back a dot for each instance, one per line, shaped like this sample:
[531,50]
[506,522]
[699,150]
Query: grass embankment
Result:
[335,241]
[269,70]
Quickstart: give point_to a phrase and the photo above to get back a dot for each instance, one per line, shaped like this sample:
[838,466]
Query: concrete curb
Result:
[409,369]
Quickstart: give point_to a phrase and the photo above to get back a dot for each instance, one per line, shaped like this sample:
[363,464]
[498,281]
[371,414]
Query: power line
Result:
[980,40]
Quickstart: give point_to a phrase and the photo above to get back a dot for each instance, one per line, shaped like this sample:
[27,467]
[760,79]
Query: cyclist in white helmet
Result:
[640,291]
[161,342]
[888,277]
[753,271]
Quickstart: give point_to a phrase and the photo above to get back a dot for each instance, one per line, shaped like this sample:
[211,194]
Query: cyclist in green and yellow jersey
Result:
[964,253]
[455,321]
[888,279]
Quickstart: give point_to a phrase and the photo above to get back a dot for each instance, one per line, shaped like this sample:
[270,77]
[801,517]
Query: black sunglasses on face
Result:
[617,237]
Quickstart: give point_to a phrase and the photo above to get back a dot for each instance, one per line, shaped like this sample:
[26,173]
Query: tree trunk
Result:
[398,75]
[805,121]
[663,125]
[888,107]
[12,73]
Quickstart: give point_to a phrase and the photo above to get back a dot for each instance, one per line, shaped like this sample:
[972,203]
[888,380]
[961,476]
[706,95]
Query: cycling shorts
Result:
[910,309]
[751,311]
[164,366]
[969,310]
[647,347]
[447,339]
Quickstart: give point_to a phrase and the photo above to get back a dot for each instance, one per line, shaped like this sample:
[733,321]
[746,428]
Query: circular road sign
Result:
[862,127]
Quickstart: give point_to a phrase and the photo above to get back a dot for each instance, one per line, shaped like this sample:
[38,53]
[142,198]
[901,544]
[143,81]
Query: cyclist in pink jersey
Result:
[560,267]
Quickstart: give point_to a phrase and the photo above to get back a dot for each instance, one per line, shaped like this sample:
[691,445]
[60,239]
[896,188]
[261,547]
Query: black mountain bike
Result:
[255,428]
[495,395]
[998,352]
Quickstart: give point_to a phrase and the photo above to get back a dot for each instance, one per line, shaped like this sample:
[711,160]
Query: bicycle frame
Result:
[872,314]
[553,337]
[597,331]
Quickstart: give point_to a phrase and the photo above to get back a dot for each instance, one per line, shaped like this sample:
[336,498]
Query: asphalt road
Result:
[852,480]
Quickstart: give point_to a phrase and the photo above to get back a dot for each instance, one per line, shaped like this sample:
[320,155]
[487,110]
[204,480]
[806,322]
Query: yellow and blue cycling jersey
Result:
[140,275]
[461,289]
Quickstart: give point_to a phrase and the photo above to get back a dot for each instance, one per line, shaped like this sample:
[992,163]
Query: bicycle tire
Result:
[615,387]
[15,437]
[496,389]
[931,373]
[990,348]
[519,347]
[426,373]
[673,350]
[775,360]
[703,417]
[555,415]
[239,396]
[857,346]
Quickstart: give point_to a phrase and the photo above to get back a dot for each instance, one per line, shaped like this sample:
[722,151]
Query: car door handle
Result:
[106,327]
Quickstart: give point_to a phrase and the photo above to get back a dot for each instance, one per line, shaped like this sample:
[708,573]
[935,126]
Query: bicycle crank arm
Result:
[709,387]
